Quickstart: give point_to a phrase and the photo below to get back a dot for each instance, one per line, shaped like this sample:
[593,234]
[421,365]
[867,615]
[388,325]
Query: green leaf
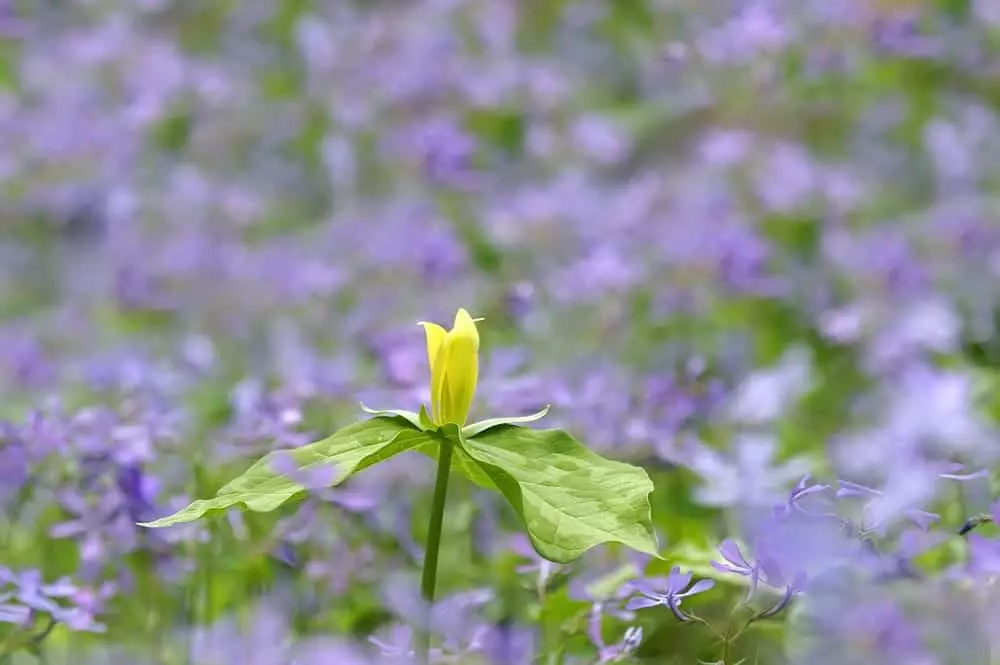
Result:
[569,498]
[425,419]
[262,488]
[476,429]
[412,417]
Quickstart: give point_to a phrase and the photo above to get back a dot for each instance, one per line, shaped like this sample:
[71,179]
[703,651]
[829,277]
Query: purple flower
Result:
[31,590]
[611,653]
[750,476]
[734,562]
[766,570]
[880,505]
[801,491]
[26,594]
[668,592]
[954,471]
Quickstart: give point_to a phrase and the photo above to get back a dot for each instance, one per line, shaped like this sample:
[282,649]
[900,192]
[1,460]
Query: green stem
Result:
[728,639]
[551,645]
[429,579]
[7,649]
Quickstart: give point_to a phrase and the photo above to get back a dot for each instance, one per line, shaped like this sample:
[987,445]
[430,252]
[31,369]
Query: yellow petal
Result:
[435,337]
[435,358]
[465,326]
[461,368]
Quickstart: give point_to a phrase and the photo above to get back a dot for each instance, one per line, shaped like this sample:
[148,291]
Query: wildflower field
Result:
[727,271]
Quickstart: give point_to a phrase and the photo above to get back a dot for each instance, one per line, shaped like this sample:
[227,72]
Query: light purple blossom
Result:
[668,592]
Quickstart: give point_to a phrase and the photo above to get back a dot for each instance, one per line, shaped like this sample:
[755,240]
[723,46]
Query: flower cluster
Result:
[735,243]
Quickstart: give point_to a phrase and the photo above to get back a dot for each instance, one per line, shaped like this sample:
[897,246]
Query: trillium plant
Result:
[568,498]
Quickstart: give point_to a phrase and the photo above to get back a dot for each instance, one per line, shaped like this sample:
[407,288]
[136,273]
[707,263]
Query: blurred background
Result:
[733,241]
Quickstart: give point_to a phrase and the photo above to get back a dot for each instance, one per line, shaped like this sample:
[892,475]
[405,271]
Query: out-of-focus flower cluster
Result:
[737,242]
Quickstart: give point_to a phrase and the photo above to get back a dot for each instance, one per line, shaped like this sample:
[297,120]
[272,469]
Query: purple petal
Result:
[728,568]
[649,586]
[69,529]
[678,581]
[699,587]
[36,601]
[806,491]
[642,602]
[61,588]
[984,555]
[952,473]
[16,614]
[849,489]
[922,518]
[781,605]
[730,551]
[30,579]
[772,573]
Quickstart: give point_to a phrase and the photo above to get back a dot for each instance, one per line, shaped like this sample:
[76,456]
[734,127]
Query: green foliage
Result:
[262,488]
[568,498]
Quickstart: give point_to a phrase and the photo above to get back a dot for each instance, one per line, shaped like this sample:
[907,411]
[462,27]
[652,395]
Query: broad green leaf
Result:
[411,417]
[569,498]
[476,429]
[262,488]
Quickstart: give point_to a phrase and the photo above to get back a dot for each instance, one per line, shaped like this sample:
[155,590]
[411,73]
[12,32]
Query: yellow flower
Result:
[454,359]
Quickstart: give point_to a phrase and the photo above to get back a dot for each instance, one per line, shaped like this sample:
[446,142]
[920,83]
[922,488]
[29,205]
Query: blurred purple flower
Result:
[900,36]
[398,642]
[507,644]
[26,594]
[766,569]
[875,510]
[800,495]
[611,653]
[748,476]
[139,491]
